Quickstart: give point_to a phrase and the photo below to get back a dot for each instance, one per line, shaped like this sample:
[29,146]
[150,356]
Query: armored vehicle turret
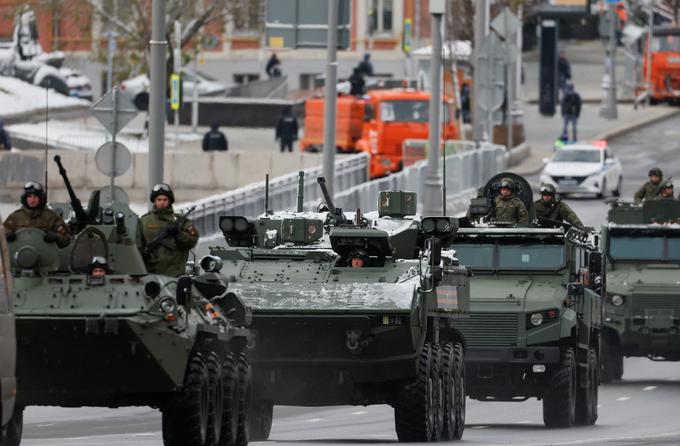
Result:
[125,337]
[341,319]
[535,317]
[642,307]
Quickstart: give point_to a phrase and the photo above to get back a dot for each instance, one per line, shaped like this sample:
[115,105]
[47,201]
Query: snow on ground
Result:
[21,97]
[74,135]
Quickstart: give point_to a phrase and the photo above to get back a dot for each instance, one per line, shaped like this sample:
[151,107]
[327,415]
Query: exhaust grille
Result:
[489,329]
[642,302]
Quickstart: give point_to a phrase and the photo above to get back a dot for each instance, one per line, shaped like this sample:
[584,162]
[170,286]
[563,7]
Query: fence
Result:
[249,200]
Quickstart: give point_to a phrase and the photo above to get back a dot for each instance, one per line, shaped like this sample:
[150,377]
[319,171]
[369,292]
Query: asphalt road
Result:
[644,408]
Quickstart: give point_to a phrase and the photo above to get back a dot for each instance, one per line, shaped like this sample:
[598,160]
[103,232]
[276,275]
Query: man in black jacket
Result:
[5,140]
[571,109]
[287,129]
[215,140]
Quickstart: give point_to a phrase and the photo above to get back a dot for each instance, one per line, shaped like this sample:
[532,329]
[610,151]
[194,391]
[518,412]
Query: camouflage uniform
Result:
[558,211]
[648,191]
[511,210]
[170,257]
[39,218]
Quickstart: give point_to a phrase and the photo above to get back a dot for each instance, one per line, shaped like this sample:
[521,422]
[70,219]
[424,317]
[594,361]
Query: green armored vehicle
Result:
[642,308]
[535,316]
[10,422]
[340,319]
[128,338]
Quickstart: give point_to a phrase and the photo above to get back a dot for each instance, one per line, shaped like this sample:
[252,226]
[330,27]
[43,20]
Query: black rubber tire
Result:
[185,419]
[216,399]
[438,392]
[261,417]
[11,436]
[244,399]
[586,398]
[414,412]
[459,376]
[142,101]
[231,400]
[559,400]
[603,189]
[612,360]
[55,83]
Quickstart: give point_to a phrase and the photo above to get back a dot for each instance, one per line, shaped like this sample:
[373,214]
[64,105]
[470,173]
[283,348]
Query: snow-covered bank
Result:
[17,97]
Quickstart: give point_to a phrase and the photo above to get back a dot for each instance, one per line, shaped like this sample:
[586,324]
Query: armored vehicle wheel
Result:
[185,419]
[229,430]
[612,360]
[244,399]
[559,401]
[216,399]
[459,376]
[261,416]
[586,398]
[438,392]
[11,435]
[454,392]
[415,412]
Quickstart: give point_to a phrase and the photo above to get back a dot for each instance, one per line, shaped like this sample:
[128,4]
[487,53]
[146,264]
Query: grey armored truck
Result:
[341,319]
[642,307]
[535,314]
[129,338]
[10,421]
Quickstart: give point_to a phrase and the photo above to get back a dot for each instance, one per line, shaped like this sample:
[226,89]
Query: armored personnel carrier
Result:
[642,307]
[341,319]
[128,337]
[10,421]
[535,315]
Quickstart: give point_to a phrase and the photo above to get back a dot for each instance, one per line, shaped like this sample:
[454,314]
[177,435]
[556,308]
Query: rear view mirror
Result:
[183,294]
[596,262]
[434,246]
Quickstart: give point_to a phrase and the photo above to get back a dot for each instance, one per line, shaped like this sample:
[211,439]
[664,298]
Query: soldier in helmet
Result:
[665,191]
[509,208]
[98,267]
[552,207]
[34,214]
[168,237]
[650,189]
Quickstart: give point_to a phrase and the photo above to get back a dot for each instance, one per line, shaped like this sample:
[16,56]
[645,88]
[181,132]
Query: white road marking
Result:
[44,425]
[361,412]
[524,422]
[381,435]
[146,434]
[479,427]
[649,388]
[314,420]
[623,398]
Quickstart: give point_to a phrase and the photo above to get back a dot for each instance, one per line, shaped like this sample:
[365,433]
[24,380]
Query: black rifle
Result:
[81,216]
[160,240]
[335,215]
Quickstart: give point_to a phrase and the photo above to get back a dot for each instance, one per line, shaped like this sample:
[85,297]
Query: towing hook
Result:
[353,340]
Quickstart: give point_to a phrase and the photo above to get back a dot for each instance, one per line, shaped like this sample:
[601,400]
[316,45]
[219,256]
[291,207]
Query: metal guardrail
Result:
[350,171]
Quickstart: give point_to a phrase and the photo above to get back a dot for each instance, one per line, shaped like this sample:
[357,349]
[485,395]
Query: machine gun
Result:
[335,215]
[82,218]
[159,240]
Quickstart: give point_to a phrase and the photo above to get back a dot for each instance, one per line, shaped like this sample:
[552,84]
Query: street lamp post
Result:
[157,98]
[330,93]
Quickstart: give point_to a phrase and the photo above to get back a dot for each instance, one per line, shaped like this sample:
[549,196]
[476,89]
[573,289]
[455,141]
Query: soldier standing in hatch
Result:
[509,208]
[550,206]
[34,214]
[651,188]
[665,191]
[168,237]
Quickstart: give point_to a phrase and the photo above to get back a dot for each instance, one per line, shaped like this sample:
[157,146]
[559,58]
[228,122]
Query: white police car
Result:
[584,168]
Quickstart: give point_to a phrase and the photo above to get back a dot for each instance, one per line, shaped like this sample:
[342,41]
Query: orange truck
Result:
[378,124]
[665,79]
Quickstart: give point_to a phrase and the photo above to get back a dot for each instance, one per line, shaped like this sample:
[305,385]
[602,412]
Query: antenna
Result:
[301,190]
[47,118]
[266,195]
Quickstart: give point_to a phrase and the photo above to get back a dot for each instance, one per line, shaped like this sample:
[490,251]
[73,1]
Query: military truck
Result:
[642,307]
[535,315]
[10,421]
[129,338]
[381,332]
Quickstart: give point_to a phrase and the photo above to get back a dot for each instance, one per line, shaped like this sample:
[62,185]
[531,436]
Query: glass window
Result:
[381,16]
[633,248]
[666,43]
[674,249]
[530,256]
[407,111]
[475,255]
[577,156]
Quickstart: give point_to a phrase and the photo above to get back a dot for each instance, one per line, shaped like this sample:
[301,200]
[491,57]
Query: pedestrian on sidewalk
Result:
[571,110]
[563,71]
[5,140]
[287,129]
[273,67]
[215,140]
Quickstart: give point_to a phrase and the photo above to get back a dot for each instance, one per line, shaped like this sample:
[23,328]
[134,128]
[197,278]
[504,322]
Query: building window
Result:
[248,15]
[381,16]
[310,81]
[245,78]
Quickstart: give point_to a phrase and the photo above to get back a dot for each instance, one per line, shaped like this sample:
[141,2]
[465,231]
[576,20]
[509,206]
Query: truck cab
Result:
[665,64]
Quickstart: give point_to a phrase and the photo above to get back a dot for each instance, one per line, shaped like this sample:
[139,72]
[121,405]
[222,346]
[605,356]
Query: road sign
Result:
[119,195]
[113,164]
[103,110]
[506,23]
[491,64]
[175,85]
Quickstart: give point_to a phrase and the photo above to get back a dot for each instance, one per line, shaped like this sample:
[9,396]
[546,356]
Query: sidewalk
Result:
[587,67]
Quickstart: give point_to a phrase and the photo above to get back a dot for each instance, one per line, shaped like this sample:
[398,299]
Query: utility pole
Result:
[432,200]
[159,47]
[194,99]
[608,109]
[650,37]
[330,93]
[481,30]
[177,59]
[111,47]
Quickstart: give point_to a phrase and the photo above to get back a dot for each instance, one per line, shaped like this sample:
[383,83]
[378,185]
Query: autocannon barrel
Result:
[75,201]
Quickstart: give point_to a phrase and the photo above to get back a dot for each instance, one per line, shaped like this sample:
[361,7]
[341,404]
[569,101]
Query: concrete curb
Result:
[518,153]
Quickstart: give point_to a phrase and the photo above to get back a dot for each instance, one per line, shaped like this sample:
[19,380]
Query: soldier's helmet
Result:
[668,184]
[35,188]
[162,189]
[508,183]
[655,171]
[548,189]
[98,262]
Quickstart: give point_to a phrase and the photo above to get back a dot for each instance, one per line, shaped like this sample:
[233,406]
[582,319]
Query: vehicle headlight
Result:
[168,305]
[617,300]
[536,319]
